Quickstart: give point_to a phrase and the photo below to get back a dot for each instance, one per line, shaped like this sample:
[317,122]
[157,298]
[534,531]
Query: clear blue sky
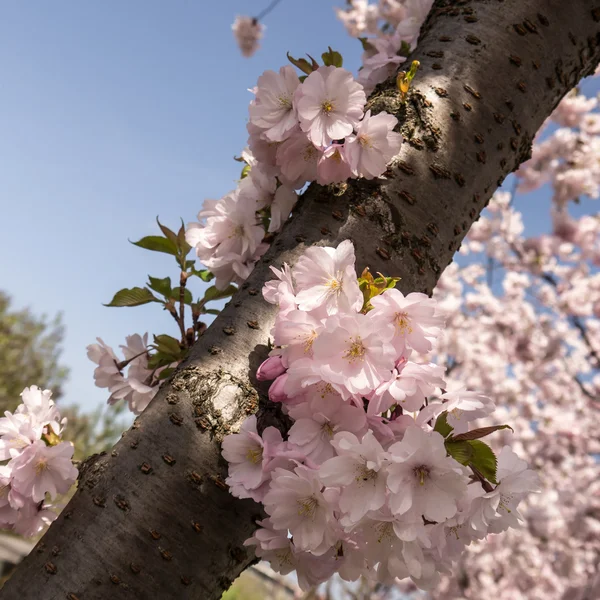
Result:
[112,113]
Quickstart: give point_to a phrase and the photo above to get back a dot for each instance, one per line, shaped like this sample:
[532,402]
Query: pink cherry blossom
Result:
[416,321]
[272,110]
[333,167]
[353,354]
[330,104]
[296,503]
[325,277]
[317,422]
[422,478]
[41,470]
[359,469]
[247,32]
[374,145]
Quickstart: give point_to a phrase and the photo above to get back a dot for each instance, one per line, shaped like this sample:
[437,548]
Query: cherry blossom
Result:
[330,104]
[374,145]
[273,110]
[325,277]
[247,32]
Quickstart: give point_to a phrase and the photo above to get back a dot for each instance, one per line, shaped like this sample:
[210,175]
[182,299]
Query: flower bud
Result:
[270,369]
[276,393]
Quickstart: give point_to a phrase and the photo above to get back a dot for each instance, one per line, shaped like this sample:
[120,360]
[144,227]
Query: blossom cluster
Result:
[38,462]
[299,132]
[379,475]
[247,32]
[385,45]
[568,158]
[139,386]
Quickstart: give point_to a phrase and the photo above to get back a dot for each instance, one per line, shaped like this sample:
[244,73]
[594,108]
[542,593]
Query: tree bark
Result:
[153,518]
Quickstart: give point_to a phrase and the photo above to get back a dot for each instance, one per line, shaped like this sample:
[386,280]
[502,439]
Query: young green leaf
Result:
[459,451]
[162,286]
[475,434]
[484,459]
[205,275]
[303,64]
[133,297]
[212,293]
[170,235]
[442,426]
[332,58]
[167,345]
[188,299]
[156,243]
[474,453]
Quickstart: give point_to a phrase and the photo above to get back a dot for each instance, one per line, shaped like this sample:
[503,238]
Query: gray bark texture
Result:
[153,518]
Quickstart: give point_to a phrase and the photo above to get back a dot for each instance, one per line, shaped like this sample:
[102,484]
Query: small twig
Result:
[182,281]
[267,10]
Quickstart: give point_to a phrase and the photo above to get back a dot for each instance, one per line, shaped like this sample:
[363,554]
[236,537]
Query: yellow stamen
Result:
[254,455]
[356,351]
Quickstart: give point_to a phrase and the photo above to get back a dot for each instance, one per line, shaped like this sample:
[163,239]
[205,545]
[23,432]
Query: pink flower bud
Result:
[276,393]
[270,369]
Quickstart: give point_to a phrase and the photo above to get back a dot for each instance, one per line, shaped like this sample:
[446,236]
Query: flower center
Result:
[254,455]
[385,531]
[307,344]
[336,156]
[237,232]
[505,499]
[402,322]
[41,466]
[3,490]
[309,153]
[356,351]
[284,102]
[365,141]
[307,507]
[327,106]
[327,429]
[364,474]
[456,413]
[421,473]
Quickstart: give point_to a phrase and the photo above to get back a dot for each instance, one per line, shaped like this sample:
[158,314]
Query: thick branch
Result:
[153,519]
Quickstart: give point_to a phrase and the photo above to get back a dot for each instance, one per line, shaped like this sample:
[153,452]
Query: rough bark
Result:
[153,519]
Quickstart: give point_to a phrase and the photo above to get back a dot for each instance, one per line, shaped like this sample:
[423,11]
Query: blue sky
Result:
[112,113]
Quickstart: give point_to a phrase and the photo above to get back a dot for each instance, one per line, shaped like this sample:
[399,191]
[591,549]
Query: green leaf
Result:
[461,452]
[212,311]
[167,345]
[162,286]
[205,275]
[183,246]
[189,264]
[373,286]
[303,64]
[166,373]
[442,426]
[245,171]
[132,297]
[474,453]
[188,299]
[479,433]
[332,58]
[160,359]
[212,293]
[484,460]
[366,44]
[170,235]
[156,243]
[404,49]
